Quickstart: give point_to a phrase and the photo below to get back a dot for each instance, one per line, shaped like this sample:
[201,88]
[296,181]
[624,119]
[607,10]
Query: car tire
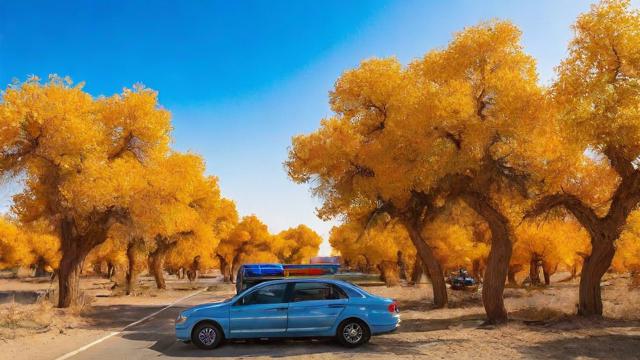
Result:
[353,333]
[207,335]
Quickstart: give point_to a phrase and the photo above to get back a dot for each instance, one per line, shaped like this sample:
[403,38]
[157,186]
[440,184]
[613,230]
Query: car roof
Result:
[344,284]
[332,281]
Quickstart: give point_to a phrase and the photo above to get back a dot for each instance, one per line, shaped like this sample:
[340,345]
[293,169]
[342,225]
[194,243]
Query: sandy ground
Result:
[542,327]
[43,330]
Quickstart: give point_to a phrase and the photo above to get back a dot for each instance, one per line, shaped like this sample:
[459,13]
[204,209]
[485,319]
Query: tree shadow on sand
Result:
[621,347]
[455,323]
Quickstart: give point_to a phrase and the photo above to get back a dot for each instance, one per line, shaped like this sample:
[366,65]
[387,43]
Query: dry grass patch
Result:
[17,319]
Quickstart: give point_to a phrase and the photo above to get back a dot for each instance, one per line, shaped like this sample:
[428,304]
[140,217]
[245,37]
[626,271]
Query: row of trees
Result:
[541,247]
[470,125]
[101,184]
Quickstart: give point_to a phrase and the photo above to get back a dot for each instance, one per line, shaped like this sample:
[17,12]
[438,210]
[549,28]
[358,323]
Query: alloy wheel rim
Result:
[207,336]
[352,333]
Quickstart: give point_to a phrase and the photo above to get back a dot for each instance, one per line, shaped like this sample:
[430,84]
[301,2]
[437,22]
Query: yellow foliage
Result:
[14,250]
[598,86]
[558,242]
[627,258]
[249,241]
[27,245]
[367,249]
[297,245]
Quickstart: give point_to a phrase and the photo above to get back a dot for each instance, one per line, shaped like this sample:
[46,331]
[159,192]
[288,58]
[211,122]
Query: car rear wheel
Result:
[353,332]
[206,336]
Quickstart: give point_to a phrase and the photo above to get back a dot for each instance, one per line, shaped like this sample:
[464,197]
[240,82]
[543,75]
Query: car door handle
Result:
[336,305]
[280,309]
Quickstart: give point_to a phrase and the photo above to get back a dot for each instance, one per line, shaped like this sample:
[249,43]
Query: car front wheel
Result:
[353,332]
[206,336]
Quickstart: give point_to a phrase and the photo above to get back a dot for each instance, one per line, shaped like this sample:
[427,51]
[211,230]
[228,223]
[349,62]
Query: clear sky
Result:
[242,77]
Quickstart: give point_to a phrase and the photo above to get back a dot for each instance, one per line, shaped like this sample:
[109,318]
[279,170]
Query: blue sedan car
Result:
[291,308]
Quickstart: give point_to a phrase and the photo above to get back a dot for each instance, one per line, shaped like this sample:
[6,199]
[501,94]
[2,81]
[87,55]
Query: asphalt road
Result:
[154,338]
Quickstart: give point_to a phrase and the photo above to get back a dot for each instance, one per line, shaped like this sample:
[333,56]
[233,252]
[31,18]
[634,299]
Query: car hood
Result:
[207,307]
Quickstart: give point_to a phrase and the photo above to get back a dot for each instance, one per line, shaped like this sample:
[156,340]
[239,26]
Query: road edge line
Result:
[114,333]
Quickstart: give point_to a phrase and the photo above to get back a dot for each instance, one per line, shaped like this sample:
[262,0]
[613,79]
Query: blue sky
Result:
[242,77]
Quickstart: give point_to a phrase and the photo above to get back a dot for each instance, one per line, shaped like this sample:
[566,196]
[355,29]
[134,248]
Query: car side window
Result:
[309,291]
[270,294]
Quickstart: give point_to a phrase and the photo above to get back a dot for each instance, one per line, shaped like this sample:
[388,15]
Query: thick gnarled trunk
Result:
[75,249]
[132,271]
[235,266]
[595,266]
[156,263]
[603,230]
[431,264]
[497,269]
[69,276]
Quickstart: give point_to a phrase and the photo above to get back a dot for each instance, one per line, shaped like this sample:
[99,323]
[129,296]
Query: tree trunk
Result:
[97,268]
[194,269]
[389,273]
[40,265]
[156,271]
[224,268]
[548,270]
[234,270]
[547,276]
[416,273]
[432,266]
[69,278]
[534,270]
[111,270]
[368,267]
[402,267]
[131,271]
[156,262]
[513,270]
[476,270]
[573,271]
[594,267]
[74,250]
[495,274]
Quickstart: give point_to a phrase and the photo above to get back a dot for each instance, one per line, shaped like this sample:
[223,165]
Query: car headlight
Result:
[181,319]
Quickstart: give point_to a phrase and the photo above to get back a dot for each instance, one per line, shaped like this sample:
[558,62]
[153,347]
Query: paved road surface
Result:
[154,338]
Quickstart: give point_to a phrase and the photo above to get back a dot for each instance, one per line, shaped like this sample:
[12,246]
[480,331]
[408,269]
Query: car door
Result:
[260,313]
[314,308]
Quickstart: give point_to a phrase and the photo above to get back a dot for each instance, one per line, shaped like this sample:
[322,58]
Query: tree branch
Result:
[585,215]
[622,166]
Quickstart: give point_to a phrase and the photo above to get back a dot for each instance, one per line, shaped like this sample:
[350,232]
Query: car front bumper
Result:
[183,333]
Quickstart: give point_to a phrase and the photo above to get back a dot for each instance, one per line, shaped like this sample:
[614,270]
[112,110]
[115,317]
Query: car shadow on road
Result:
[162,341]
[278,348]
[157,334]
